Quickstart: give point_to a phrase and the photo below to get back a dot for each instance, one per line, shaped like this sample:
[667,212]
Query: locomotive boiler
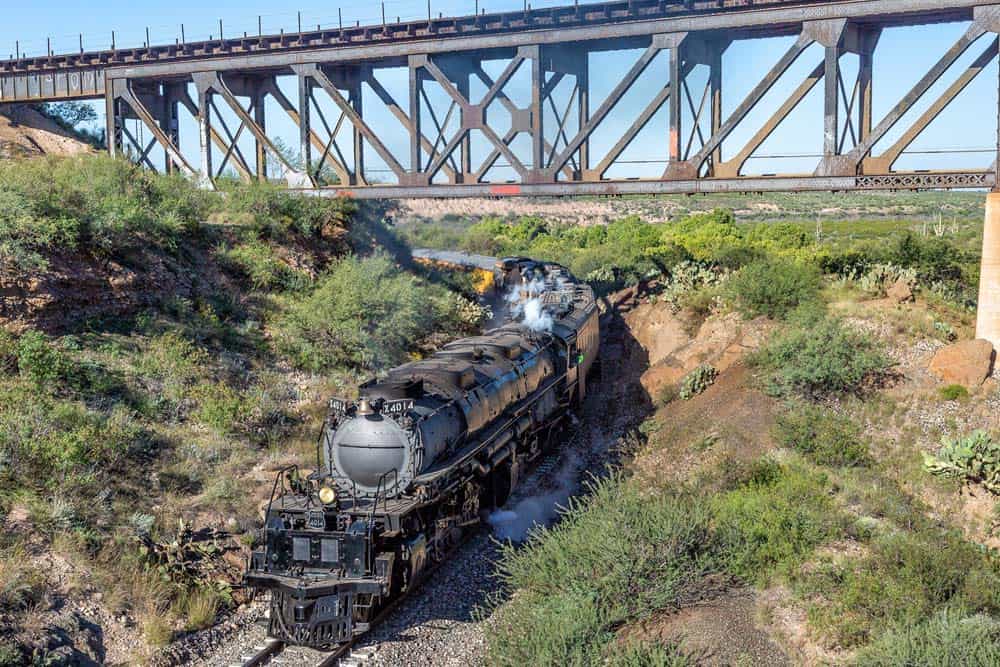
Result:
[421,457]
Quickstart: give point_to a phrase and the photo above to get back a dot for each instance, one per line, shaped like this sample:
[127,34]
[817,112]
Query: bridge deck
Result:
[67,76]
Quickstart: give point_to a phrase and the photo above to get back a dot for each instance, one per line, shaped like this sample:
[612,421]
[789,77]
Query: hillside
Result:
[813,480]
[163,351]
[25,132]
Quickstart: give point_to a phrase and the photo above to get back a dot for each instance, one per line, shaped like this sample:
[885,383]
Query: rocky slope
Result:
[25,132]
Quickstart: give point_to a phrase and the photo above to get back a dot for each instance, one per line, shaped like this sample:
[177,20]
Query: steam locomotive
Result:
[421,457]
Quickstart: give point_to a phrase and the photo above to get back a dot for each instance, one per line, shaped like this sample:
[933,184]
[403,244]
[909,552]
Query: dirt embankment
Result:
[75,288]
[730,421]
[24,132]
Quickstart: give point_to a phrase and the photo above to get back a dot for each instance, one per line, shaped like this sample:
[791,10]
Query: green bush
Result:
[817,355]
[974,458]
[168,368]
[570,578]
[697,381]
[948,638]
[622,554]
[953,392]
[773,287]
[364,313]
[93,203]
[903,581]
[825,437]
[51,367]
[10,656]
[41,362]
[773,521]
[621,252]
[220,406]
[259,264]
[43,439]
[706,236]
[274,212]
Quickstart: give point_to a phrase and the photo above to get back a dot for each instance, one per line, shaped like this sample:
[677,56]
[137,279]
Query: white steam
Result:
[525,303]
[535,317]
[515,523]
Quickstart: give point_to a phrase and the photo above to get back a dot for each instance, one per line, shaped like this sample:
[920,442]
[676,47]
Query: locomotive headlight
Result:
[327,496]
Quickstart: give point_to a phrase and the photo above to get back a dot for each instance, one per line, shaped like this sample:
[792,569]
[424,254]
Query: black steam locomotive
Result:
[420,457]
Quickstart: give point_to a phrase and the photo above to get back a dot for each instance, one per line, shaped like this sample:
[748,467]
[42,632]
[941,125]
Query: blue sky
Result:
[902,57]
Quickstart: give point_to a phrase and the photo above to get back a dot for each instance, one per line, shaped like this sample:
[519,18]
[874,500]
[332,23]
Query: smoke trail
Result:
[535,317]
[515,523]
[526,306]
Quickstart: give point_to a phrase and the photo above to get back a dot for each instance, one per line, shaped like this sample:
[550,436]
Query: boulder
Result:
[900,292]
[967,363]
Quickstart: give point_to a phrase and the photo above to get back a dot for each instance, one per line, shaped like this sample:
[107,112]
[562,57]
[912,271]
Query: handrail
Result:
[319,443]
[270,502]
[371,517]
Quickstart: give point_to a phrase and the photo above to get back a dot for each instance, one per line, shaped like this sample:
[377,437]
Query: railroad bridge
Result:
[544,134]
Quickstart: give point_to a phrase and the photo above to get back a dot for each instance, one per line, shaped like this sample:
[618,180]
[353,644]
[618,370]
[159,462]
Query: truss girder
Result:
[675,85]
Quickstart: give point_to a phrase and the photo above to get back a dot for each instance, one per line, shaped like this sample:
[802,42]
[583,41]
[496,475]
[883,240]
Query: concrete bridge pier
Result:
[988,310]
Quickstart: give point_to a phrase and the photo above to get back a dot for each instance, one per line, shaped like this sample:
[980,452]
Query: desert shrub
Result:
[570,577]
[199,608]
[10,656]
[43,439]
[903,580]
[95,203]
[953,392]
[974,458]
[364,313]
[824,436]
[777,236]
[169,366]
[773,521]
[773,287]
[706,236]
[819,355]
[259,264]
[697,381]
[618,253]
[40,361]
[647,654]
[220,406]
[274,212]
[934,259]
[21,583]
[948,638]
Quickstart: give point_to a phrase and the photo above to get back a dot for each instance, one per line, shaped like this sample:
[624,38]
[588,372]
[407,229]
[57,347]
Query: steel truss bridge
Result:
[544,138]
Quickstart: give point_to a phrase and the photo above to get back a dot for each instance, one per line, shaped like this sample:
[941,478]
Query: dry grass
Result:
[200,609]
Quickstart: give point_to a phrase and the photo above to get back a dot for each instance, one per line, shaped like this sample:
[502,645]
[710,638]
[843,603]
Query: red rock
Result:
[900,292]
[967,363]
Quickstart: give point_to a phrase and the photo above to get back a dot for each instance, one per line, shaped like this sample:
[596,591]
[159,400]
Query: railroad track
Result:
[272,650]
